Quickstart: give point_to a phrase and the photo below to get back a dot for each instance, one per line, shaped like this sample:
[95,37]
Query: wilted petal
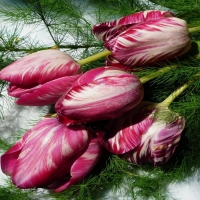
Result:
[107,30]
[82,166]
[40,67]
[151,42]
[103,98]
[48,145]
[45,94]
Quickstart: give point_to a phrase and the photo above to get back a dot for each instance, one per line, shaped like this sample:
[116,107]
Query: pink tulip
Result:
[41,78]
[145,37]
[51,155]
[147,133]
[100,93]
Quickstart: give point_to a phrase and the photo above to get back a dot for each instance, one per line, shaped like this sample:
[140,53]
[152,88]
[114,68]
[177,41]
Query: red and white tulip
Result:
[100,93]
[146,134]
[51,155]
[41,78]
[145,37]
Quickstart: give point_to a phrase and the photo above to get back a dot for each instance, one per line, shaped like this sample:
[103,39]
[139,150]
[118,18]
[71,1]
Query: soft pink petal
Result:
[167,140]
[44,151]
[108,30]
[40,67]
[104,98]
[151,42]
[47,93]
[83,165]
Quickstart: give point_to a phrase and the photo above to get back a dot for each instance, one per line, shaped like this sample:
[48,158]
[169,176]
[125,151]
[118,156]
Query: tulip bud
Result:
[101,93]
[146,134]
[143,38]
[41,78]
[51,155]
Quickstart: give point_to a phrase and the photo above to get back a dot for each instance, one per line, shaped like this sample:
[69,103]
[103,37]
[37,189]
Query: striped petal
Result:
[81,167]
[97,73]
[160,140]
[151,42]
[124,133]
[103,98]
[48,145]
[45,94]
[9,159]
[107,30]
[40,67]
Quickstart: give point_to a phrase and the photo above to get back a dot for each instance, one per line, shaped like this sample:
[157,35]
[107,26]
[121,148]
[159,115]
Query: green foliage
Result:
[8,194]
[185,9]
[69,28]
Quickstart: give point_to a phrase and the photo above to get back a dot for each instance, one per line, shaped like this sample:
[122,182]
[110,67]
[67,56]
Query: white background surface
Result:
[18,118]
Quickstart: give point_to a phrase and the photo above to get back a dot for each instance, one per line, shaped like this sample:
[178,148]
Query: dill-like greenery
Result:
[69,27]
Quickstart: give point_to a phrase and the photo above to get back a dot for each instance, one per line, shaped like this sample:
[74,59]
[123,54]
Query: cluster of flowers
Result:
[62,149]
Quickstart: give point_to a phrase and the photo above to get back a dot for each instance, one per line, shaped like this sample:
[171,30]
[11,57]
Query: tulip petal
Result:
[45,94]
[159,141]
[110,61]
[150,42]
[108,30]
[124,133]
[97,73]
[15,91]
[40,67]
[48,145]
[83,165]
[103,98]
[9,159]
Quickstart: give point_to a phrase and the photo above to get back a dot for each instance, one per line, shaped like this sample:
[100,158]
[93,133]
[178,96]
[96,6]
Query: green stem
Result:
[94,57]
[161,71]
[153,75]
[106,53]
[194,29]
[179,91]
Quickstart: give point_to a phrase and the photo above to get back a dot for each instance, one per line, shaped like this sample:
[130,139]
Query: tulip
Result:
[145,37]
[160,140]
[99,94]
[149,133]
[41,78]
[51,155]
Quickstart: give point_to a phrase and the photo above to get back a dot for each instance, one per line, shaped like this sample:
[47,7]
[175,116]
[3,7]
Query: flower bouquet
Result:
[114,124]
